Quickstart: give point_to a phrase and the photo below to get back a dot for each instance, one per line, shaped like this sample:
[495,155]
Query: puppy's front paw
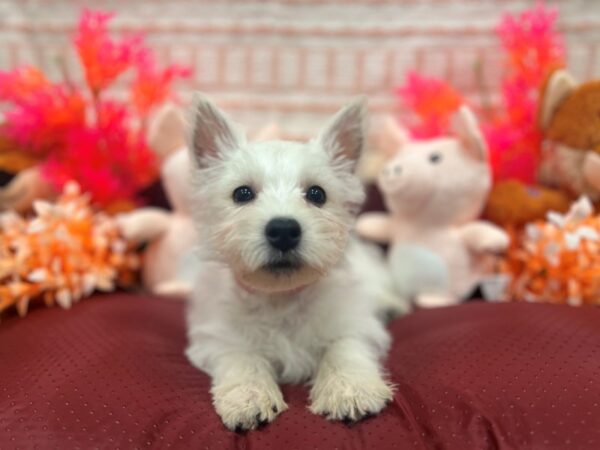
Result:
[338,398]
[247,406]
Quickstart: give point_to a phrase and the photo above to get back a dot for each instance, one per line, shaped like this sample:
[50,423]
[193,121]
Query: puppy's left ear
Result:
[212,135]
[344,135]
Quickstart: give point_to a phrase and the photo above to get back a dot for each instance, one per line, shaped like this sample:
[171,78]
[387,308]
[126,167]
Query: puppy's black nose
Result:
[283,233]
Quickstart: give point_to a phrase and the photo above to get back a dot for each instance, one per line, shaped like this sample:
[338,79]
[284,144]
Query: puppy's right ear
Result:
[212,135]
[344,135]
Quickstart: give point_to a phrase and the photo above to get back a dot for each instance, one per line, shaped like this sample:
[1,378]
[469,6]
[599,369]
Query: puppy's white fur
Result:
[250,327]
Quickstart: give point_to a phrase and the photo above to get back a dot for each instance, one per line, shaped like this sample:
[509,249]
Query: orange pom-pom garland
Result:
[64,253]
[558,261]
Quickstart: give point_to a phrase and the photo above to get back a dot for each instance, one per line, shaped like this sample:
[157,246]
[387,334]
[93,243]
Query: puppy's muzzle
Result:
[283,233]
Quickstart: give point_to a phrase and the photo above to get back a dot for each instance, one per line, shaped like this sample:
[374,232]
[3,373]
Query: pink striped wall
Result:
[296,61]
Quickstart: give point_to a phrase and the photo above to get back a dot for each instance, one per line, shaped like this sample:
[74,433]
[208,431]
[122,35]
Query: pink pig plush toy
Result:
[434,191]
[170,235]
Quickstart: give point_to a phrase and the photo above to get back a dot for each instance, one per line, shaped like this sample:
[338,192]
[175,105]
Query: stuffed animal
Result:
[169,259]
[434,191]
[170,235]
[570,118]
[512,204]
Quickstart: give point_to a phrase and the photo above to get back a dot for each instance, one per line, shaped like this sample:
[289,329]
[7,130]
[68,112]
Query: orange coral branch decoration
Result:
[62,255]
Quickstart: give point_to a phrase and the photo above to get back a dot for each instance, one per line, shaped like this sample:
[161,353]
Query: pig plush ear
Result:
[211,135]
[391,136]
[467,129]
[386,139]
[559,87]
[344,135]
[166,133]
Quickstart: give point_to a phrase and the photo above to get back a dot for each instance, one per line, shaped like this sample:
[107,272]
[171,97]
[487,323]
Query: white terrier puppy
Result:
[282,296]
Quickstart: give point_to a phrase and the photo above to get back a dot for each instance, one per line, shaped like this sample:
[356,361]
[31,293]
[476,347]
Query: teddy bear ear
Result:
[467,129]
[560,85]
[211,134]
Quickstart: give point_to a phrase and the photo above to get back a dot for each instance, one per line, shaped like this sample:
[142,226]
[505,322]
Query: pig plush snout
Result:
[406,177]
[392,171]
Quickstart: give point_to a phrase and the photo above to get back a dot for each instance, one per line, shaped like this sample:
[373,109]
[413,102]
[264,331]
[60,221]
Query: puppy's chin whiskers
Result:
[283,266]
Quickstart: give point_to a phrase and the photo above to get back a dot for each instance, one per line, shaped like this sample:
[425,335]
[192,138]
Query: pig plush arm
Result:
[375,226]
[144,224]
[480,237]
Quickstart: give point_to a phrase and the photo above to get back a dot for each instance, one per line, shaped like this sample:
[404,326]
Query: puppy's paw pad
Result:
[248,406]
[350,401]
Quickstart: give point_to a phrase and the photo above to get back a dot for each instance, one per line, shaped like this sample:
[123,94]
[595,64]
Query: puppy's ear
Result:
[344,135]
[211,135]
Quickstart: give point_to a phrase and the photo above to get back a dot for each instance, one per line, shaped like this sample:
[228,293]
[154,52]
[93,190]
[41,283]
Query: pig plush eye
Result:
[435,158]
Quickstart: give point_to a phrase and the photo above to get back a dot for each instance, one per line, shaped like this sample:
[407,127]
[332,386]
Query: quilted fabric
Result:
[110,373]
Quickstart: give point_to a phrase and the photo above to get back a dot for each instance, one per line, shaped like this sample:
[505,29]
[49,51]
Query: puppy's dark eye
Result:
[243,194]
[316,195]
[435,158]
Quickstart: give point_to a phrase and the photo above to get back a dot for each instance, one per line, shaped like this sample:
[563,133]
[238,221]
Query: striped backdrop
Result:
[296,61]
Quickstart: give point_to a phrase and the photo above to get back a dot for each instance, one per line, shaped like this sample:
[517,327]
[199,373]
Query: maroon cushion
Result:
[111,373]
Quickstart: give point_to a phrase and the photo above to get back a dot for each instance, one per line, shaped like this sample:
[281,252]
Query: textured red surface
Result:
[111,374]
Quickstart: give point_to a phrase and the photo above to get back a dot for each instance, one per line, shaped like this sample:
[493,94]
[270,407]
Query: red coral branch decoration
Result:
[78,133]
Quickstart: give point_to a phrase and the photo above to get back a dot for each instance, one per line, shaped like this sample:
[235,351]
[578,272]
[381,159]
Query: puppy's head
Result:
[277,213]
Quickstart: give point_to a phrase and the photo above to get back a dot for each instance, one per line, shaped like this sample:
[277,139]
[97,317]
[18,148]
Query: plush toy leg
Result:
[23,189]
[435,300]
[173,288]
[143,224]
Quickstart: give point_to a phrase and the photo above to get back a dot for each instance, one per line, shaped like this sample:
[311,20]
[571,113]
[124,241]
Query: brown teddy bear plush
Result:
[512,203]
[569,117]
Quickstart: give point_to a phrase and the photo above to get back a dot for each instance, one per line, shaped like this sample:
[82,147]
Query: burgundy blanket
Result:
[111,374]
